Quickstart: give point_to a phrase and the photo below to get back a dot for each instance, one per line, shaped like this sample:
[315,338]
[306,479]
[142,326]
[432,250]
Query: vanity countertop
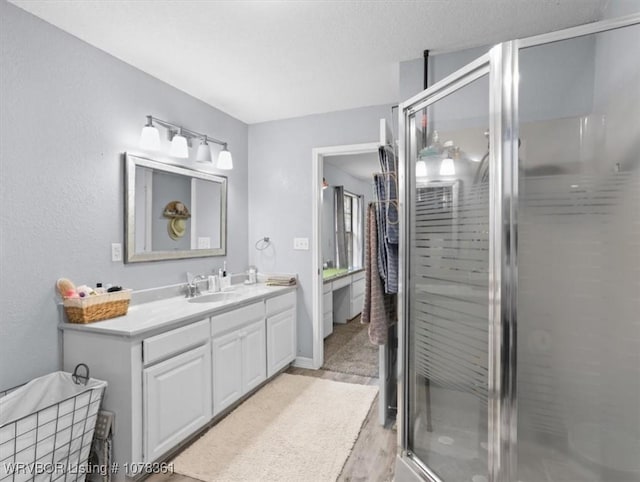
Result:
[333,274]
[157,316]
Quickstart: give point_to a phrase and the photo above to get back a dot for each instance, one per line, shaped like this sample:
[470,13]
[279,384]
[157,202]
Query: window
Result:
[353,231]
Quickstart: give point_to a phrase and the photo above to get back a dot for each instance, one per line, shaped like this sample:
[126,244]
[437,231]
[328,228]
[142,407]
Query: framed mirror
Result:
[173,212]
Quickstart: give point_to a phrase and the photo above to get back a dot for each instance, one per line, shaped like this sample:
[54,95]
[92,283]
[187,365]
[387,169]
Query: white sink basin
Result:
[214,297]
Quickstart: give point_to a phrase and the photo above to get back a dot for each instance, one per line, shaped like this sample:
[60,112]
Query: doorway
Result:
[338,267]
[347,190]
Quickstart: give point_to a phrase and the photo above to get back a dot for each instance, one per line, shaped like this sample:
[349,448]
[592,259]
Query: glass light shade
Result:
[150,139]
[204,153]
[421,169]
[179,147]
[224,160]
[447,167]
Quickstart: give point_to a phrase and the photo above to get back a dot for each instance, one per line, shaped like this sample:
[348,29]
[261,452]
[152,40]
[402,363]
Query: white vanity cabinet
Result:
[342,299]
[176,392]
[281,332]
[239,353]
[172,366]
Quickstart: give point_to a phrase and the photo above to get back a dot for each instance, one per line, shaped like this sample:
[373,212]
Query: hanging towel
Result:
[388,165]
[379,308]
[387,251]
[381,220]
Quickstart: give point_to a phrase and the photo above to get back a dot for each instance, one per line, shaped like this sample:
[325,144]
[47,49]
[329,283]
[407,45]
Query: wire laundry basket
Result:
[47,426]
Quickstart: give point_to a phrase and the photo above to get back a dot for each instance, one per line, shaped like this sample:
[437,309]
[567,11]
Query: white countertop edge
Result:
[118,326]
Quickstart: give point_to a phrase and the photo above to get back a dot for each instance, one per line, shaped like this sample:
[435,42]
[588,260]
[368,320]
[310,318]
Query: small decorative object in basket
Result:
[85,305]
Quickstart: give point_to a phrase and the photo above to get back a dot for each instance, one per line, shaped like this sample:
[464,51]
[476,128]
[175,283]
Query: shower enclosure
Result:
[520,264]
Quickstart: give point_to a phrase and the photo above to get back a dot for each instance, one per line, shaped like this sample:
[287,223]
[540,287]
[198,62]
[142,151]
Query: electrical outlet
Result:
[116,252]
[301,243]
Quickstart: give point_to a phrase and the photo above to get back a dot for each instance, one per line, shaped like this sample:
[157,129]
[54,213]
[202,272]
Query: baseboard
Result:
[303,362]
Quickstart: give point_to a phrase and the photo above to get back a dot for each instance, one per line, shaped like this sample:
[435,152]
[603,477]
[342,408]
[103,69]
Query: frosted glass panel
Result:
[579,261]
[448,299]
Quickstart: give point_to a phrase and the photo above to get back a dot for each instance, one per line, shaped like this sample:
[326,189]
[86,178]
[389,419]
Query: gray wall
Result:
[280,199]
[567,79]
[68,113]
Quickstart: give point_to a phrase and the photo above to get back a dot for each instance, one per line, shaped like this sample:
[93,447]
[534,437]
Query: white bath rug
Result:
[295,428]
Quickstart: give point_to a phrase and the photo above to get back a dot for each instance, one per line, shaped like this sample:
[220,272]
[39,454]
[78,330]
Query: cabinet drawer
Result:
[236,318]
[341,283]
[327,303]
[357,276]
[281,303]
[357,288]
[175,341]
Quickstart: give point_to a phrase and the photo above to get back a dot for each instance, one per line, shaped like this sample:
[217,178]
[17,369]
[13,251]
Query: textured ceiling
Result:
[264,60]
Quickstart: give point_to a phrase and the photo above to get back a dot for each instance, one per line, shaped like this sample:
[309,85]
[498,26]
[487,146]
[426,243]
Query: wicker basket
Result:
[97,307]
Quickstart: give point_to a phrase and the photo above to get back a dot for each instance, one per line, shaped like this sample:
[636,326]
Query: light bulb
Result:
[204,153]
[421,169]
[447,168]
[224,159]
[150,138]
[179,147]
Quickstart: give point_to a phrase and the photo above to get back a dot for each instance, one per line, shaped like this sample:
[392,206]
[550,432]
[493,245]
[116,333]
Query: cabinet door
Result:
[177,400]
[357,304]
[357,296]
[227,370]
[327,323]
[254,354]
[281,340]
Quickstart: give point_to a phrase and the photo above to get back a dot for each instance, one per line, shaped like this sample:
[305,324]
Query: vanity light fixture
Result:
[179,147]
[447,167]
[150,137]
[204,152]
[181,138]
[224,159]
[421,169]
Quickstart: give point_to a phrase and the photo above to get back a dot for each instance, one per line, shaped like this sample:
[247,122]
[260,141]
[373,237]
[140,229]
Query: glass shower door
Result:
[447,329]
[579,260]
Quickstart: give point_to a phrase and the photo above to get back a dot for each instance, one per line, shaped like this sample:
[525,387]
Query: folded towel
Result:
[277,280]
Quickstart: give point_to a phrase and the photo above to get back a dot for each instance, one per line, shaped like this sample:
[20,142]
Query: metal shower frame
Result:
[501,65]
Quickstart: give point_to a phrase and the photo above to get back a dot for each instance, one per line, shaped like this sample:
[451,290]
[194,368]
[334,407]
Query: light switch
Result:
[301,243]
[116,252]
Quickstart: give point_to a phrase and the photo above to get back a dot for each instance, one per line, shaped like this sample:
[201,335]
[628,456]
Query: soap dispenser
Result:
[225,281]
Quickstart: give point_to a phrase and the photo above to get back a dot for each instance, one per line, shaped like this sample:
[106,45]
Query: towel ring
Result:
[263,243]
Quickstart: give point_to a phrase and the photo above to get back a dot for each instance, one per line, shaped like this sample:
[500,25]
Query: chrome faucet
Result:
[192,284]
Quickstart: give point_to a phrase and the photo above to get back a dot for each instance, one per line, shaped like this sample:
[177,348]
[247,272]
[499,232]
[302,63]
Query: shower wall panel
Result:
[579,272]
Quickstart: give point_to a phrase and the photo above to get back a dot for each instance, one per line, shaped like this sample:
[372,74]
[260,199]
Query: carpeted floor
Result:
[294,428]
[348,350]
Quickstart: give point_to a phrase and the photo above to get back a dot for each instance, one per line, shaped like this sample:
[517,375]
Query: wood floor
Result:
[373,455]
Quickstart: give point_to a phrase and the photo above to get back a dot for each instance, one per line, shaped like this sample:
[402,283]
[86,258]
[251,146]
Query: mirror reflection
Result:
[173,212]
[347,189]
